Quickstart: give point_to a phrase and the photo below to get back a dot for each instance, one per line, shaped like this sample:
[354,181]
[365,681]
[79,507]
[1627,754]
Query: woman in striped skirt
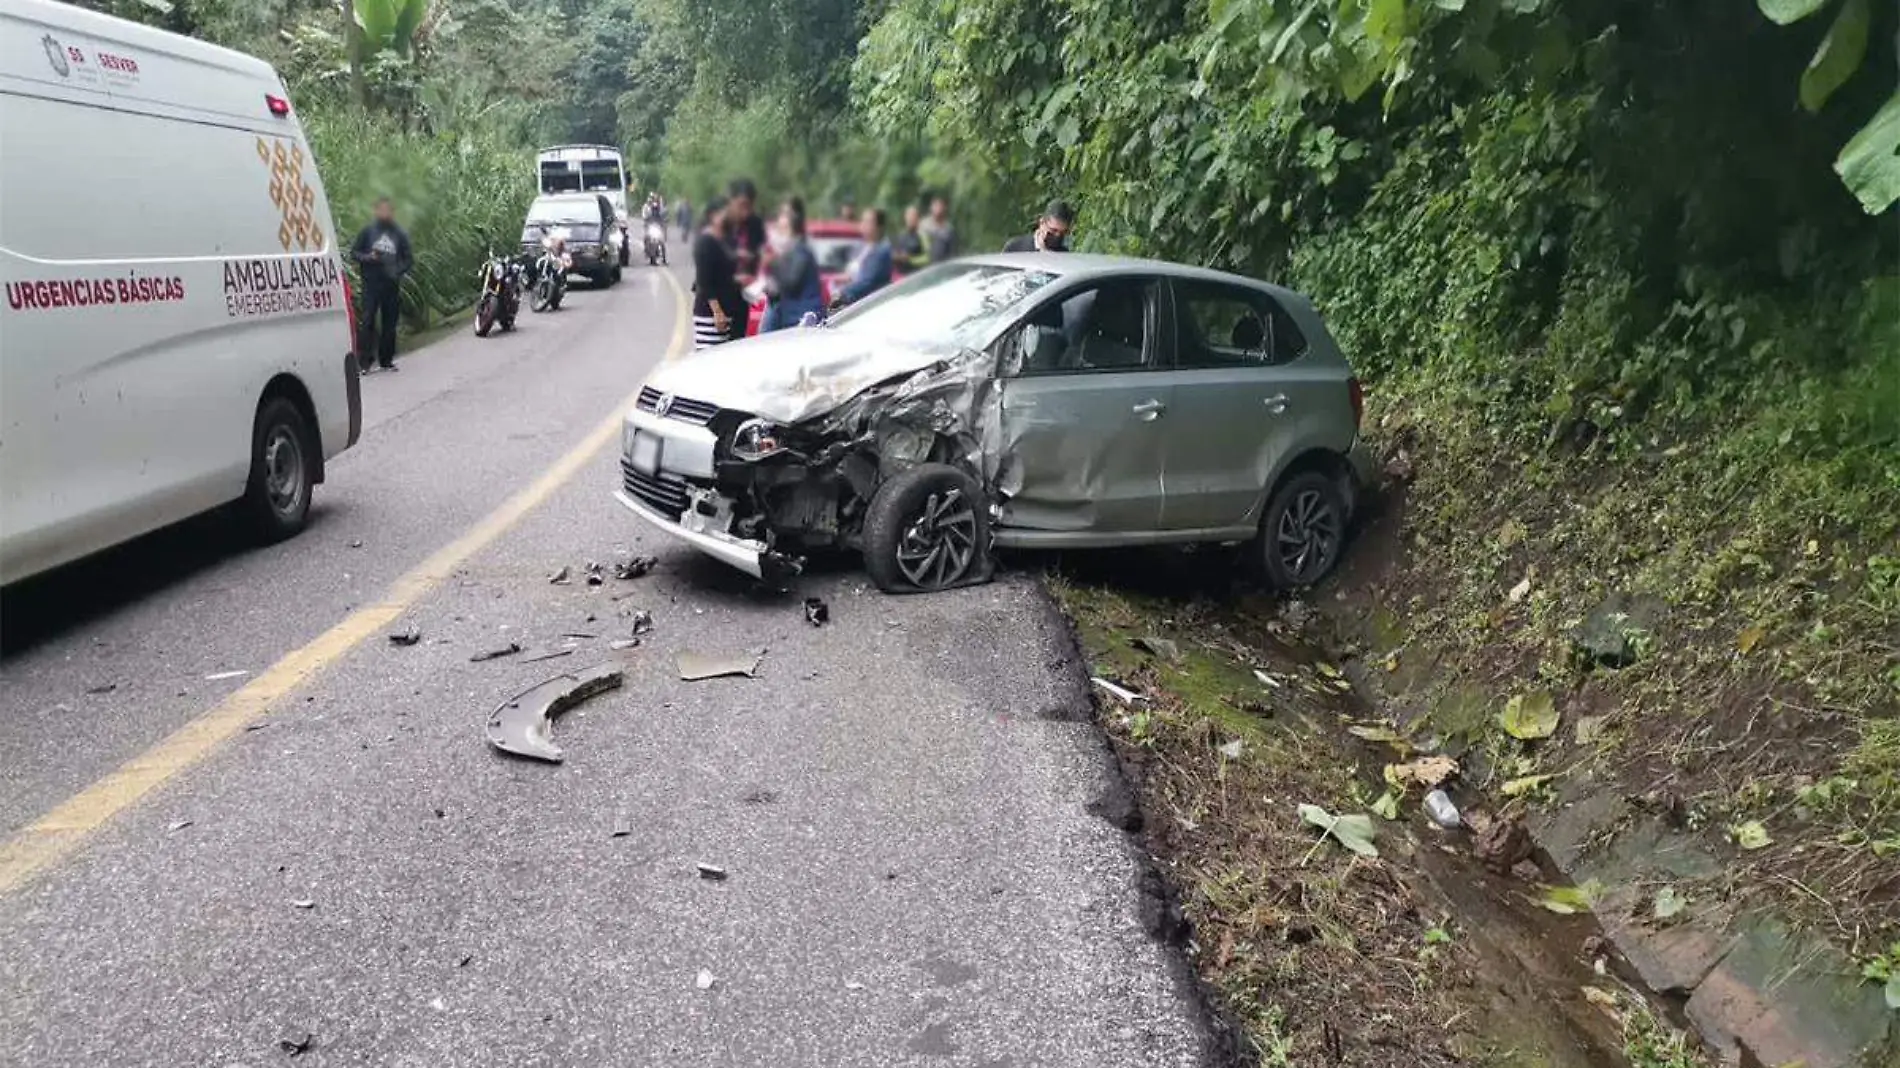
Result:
[719,308]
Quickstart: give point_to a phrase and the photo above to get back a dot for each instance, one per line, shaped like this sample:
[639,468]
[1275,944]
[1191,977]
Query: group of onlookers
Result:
[734,249]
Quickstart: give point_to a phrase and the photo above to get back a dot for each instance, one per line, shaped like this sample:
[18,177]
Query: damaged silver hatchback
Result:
[1034,401]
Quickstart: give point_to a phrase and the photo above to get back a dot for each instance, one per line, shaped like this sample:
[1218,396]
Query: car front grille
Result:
[698,413]
[663,493]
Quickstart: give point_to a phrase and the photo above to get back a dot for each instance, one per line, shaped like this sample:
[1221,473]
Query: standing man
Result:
[908,252]
[685,219]
[940,238]
[1051,233]
[745,229]
[382,255]
[872,272]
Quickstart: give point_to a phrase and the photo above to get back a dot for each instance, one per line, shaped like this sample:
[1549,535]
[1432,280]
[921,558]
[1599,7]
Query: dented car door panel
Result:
[1087,416]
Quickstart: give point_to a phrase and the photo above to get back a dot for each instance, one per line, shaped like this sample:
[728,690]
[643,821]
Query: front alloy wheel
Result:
[927,529]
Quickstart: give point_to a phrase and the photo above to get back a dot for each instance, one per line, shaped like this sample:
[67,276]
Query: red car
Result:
[836,243]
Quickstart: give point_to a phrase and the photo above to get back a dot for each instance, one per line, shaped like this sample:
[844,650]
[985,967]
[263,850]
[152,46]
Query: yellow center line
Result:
[46,840]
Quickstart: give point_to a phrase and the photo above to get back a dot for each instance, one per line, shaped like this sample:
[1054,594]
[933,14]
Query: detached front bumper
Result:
[676,497]
[751,557]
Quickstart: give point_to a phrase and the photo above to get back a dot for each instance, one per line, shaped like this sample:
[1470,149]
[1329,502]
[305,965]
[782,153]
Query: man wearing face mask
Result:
[1051,233]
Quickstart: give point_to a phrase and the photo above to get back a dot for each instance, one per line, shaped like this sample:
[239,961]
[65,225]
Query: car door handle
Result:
[1276,403]
[1149,410]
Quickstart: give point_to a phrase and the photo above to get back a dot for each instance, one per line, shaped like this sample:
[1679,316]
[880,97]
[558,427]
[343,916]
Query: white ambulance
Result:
[176,331]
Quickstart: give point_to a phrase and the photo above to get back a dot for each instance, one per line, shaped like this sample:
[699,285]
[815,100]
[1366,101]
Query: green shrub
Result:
[458,195]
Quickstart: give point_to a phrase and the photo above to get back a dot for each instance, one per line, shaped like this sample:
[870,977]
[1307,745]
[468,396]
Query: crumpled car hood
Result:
[789,376]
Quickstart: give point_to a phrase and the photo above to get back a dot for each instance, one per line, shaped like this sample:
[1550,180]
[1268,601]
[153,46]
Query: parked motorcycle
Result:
[549,273]
[656,243]
[501,294]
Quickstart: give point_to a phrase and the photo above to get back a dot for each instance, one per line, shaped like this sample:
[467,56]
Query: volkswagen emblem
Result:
[663,405]
[56,55]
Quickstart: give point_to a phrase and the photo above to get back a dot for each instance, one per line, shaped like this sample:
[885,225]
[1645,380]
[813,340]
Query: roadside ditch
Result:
[1560,924]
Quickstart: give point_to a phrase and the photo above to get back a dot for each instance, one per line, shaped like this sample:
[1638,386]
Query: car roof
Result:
[592,194]
[832,228]
[1077,266]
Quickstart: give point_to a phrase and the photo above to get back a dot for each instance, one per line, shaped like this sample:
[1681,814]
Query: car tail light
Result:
[278,105]
[349,305]
[1358,394]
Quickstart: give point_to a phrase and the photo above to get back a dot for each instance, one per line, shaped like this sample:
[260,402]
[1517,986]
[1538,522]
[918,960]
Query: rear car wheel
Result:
[283,471]
[927,529]
[1303,531]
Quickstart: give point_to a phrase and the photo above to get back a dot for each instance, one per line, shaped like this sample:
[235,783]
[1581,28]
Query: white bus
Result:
[584,169]
[175,333]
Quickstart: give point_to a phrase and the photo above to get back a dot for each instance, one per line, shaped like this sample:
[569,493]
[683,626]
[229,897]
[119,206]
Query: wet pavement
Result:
[899,800]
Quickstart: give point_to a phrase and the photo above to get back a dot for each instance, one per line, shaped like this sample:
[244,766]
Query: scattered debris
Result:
[1530,716]
[102,688]
[712,873]
[642,622]
[1591,729]
[817,612]
[356,543]
[220,676]
[705,980]
[1570,900]
[760,797]
[303,903]
[1398,467]
[1667,904]
[636,567]
[595,573]
[1380,733]
[624,644]
[258,726]
[1232,750]
[493,654]
[1438,806]
[178,825]
[852,984]
[694,667]
[1619,631]
[547,654]
[1387,806]
[1750,835]
[622,829]
[1428,772]
[407,637]
[1125,696]
[1525,784]
[580,635]
[297,1043]
[1355,832]
[523,725]
[467,958]
[438,1005]
[1269,681]
[1502,843]
[1160,648]
[1750,637]
[1522,589]
[561,577]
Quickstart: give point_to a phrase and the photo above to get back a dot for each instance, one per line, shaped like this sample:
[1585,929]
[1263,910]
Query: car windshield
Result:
[834,254]
[564,214]
[962,303]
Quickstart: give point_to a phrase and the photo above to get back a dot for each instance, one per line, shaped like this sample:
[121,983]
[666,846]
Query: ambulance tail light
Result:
[278,105]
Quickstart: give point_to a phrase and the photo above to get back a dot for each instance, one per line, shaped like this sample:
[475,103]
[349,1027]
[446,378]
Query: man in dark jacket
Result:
[1051,233]
[382,255]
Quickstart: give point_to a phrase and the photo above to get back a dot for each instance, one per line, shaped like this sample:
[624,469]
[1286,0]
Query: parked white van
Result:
[176,329]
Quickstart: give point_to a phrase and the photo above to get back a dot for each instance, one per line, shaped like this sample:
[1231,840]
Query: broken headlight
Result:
[757,439]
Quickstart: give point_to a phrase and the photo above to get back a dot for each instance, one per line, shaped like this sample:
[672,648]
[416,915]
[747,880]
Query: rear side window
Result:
[1232,326]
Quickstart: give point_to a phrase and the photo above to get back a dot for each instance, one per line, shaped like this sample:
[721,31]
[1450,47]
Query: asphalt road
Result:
[901,798]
